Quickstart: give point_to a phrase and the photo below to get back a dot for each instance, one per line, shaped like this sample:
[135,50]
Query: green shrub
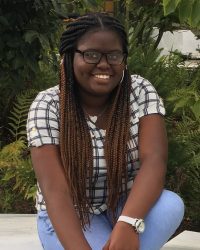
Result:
[184,147]
[17,178]
[180,89]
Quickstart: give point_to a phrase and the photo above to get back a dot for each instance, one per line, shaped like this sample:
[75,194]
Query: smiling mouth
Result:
[102,76]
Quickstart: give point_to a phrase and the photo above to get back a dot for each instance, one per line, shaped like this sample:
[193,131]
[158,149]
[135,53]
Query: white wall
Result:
[183,40]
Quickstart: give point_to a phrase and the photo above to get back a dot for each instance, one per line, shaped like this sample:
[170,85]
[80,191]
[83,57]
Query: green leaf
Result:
[12,132]
[196,110]
[24,119]
[12,118]
[185,9]
[22,133]
[31,35]
[16,111]
[194,20]
[13,125]
[8,176]
[33,65]
[170,6]
[181,103]
[43,41]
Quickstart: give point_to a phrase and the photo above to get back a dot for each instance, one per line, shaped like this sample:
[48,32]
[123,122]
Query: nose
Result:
[103,62]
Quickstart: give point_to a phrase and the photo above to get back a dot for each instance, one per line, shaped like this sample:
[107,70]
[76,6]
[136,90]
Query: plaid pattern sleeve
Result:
[144,100]
[43,119]
[147,97]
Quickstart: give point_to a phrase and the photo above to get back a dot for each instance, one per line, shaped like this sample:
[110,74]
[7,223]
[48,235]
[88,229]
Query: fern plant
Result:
[18,116]
[184,147]
[180,90]
[15,163]
[17,166]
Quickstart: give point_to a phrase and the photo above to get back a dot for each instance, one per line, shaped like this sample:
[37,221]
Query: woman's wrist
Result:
[125,228]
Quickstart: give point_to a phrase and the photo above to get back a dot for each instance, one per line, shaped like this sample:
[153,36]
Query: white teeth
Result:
[102,76]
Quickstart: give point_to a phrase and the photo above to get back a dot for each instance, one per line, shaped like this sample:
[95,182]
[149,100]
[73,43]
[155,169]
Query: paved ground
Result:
[18,232]
[187,240]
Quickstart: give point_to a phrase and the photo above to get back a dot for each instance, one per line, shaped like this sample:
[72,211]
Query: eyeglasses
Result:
[94,57]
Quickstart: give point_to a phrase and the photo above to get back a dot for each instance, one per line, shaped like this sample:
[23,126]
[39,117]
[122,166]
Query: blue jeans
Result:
[161,222]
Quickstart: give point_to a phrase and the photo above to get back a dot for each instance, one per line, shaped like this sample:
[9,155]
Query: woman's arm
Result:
[148,183]
[50,175]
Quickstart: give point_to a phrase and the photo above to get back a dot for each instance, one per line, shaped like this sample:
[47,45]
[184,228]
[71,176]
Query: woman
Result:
[99,148]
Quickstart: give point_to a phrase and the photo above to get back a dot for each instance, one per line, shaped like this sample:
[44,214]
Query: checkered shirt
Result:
[43,128]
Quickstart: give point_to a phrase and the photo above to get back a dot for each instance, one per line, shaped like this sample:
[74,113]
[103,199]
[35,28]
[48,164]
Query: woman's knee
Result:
[172,204]
[162,221]
[168,212]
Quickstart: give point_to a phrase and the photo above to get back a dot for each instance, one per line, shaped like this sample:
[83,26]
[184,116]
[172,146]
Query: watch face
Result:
[140,226]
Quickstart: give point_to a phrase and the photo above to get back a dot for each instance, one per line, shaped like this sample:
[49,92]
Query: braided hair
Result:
[75,140]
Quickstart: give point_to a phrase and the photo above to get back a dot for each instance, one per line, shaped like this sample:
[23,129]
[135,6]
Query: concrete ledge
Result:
[187,240]
[19,232]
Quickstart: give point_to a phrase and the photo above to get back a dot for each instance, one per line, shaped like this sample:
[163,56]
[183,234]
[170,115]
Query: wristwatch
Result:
[138,224]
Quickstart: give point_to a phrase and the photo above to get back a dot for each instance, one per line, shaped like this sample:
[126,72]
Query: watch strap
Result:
[128,220]
[138,224]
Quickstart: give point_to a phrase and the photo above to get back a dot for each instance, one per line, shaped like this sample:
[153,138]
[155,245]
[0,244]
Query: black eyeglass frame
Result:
[102,54]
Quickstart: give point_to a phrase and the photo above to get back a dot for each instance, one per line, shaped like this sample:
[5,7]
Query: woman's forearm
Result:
[66,222]
[150,179]
[50,175]
[146,188]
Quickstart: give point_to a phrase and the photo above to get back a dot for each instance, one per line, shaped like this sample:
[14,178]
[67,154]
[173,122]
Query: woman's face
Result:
[101,78]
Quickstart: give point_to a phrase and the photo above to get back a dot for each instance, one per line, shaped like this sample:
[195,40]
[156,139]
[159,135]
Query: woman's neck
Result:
[94,105]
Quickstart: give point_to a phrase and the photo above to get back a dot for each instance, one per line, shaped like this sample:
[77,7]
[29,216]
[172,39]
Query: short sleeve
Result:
[149,101]
[43,121]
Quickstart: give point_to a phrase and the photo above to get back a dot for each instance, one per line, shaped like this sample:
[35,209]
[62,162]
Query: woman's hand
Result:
[123,237]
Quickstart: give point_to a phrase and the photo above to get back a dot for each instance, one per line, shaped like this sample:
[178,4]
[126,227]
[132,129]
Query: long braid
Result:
[75,140]
[116,144]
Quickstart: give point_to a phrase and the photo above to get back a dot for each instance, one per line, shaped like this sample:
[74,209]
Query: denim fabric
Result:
[161,222]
